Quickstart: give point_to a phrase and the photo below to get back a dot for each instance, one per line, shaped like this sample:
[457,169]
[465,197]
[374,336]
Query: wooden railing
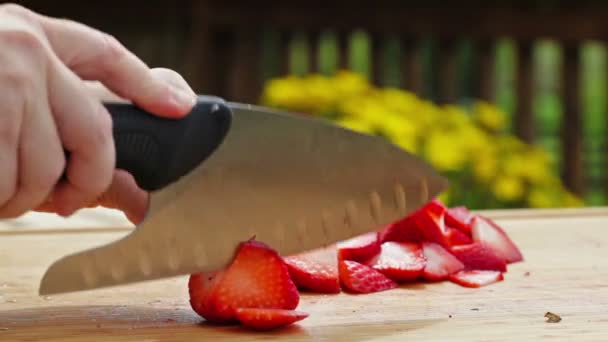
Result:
[230,48]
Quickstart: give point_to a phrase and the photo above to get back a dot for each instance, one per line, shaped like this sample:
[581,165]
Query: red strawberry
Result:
[489,233]
[399,261]
[268,319]
[360,278]
[359,248]
[256,278]
[431,222]
[439,262]
[313,276]
[459,218]
[477,256]
[476,278]
[455,237]
[403,230]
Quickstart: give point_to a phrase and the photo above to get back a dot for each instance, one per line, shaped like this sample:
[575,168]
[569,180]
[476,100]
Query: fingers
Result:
[85,128]
[101,57]
[123,194]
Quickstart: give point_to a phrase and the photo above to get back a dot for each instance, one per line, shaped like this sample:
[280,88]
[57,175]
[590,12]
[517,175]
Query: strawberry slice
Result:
[455,237]
[360,278]
[359,248]
[459,218]
[478,256]
[268,319]
[476,278]
[439,262]
[489,233]
[257,278]
[399,261]
[402,230]
[313,276]
[431,222]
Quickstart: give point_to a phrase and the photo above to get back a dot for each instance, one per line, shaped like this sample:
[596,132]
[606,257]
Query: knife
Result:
[230,172]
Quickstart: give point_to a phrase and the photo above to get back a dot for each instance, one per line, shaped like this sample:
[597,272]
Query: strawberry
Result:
[399,261]
[489,233]
[431,222]
[439,262]
[455,237]
[459,218]
[359,248]
[313,276]
[268,319]
[360,278]
[402,230]
[476,278]
[257,278]
[477,256]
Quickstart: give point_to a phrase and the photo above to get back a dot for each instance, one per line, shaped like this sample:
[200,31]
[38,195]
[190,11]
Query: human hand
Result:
[48,107]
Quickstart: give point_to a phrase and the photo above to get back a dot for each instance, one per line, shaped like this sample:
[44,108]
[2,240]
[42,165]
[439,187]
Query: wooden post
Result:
[524,119]
[244,73]
[485,74]
[447,78]
[572,143]
[412,66]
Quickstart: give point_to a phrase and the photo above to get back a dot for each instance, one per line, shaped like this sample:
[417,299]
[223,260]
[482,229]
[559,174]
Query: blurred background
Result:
[506,98]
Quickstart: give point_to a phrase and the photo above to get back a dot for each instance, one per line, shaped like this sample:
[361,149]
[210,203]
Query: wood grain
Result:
[565,258]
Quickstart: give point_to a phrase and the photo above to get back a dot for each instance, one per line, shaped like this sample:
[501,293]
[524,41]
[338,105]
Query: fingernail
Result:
[183,98]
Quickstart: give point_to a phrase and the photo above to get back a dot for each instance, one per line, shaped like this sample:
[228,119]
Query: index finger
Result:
[99,56]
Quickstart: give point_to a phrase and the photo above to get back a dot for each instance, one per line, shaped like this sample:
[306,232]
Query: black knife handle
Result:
[157,151]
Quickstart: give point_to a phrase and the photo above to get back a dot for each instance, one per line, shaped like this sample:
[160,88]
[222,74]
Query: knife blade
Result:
[230,172]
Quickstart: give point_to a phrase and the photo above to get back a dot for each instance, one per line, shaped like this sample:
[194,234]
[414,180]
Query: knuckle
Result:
[112,50]
[15,9]
[23,40]
[19,83]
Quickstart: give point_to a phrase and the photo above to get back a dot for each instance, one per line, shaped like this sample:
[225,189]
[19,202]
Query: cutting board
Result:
[565,272]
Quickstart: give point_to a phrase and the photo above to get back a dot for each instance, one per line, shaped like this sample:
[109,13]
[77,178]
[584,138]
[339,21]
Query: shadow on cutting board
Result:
[134,323]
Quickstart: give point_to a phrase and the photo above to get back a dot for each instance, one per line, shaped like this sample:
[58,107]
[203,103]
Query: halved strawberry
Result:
[476,278]
[489,233]
[455,237]
[439,262]
[313,276]
[402,230]
[459,218]
[256,278]
[399,261]
[360,278]
[359,248]
[268,319]
[477,256]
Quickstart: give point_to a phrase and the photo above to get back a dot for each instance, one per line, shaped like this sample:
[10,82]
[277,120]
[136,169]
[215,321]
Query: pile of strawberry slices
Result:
[260,288]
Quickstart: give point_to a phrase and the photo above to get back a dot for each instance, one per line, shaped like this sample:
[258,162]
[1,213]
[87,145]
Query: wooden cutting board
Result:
[565,272]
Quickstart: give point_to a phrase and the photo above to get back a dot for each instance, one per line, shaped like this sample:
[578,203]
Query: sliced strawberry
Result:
[402,230]
[439,262]
[257,278]
[359,248]
[477,256]
[459,218]
[489,233]
[399,261]
[455,237]
[313,276]
[476,278]
[360,278]
[268,319]
[431,222]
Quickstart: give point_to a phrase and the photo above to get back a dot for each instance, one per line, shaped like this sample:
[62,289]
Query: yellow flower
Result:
[348,84]
[573,201]
[508,188]
[489,116]
[485,166]
[356,125]
[541,198]
[445,151]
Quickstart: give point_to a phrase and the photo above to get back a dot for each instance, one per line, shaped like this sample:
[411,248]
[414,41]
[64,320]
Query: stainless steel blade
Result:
[293,182]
